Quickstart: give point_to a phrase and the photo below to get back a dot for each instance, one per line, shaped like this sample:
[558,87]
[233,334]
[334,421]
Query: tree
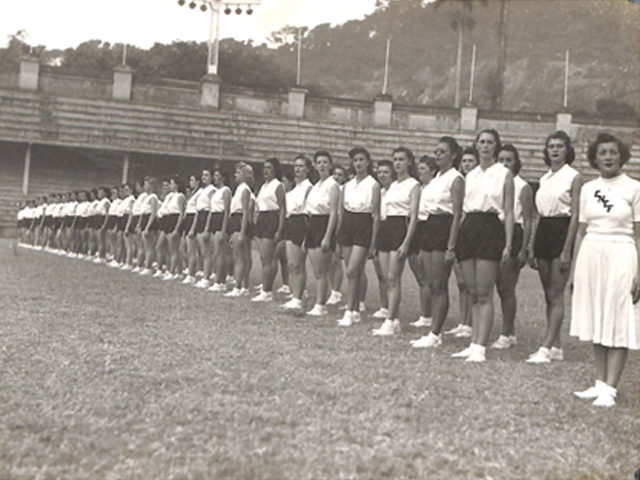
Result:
[461,20]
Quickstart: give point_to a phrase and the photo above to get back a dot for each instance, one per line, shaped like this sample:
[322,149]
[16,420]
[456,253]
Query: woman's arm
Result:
[457,193]
[565,255]
[508,215]
[154,213]
[635,288]
[403,251]
[245,200]
[181,206]
[334,202]
[282,210]
[375,213]
[528,209]
[226,198]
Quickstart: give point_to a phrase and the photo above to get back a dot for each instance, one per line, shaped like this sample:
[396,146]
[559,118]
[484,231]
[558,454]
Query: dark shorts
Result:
[393,231]
[112,222]
[68,221]
[47,221]
[481,237]
[234,224]
[356,229]
[418,238]
[215,224]
[295,229]
[168,222]
[201,220]
[550,237]
[81,223]
[516,241]
[267,224]
[187,223]
[56,222]
[316,230]
[144,223]
[436,233]
[134,223]
[122,222]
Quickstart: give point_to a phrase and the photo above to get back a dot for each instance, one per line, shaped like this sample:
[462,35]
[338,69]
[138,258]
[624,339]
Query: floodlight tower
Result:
[216,7]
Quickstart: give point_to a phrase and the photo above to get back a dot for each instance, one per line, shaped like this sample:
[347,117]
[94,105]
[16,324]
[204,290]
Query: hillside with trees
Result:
[520,60]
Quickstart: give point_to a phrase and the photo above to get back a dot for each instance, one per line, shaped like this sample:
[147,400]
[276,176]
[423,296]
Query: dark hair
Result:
[324,153]
[507,147]
[355,151]
[455,148]
[178,181]
[223,174]
[289,176]
[430,162]
[106,191]
[592,152]
[496,137]
[413,169]
[275,163]
[560,135]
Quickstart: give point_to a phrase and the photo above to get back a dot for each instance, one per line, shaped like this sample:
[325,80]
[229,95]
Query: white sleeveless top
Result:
[296,197]
[103,206]
[485,190]
[436,197]
[127,205]
[398,198]
[114,209]
[319,198]
[191,203]
[70,208]
[171,204]
[553,198]
[266,200]
[145,208]
[137,205]
[83,209]
[217,199]
[93,207]
[236,200]
[518,184]
[59,211]
[358,196]
[203,201]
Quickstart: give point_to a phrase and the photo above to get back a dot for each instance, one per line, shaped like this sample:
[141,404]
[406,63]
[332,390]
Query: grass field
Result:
[108,375]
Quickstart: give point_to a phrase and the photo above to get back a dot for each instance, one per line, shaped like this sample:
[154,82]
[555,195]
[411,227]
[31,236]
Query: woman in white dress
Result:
[605,308]
[218,221]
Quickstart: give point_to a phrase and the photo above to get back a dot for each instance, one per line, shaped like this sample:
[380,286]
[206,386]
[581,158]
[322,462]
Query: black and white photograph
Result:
[320,239]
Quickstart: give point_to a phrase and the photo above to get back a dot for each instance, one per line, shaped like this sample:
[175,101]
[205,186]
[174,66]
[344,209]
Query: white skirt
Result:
[602,306]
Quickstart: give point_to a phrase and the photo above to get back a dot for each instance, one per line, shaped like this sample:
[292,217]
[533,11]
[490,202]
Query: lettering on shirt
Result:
[603,200]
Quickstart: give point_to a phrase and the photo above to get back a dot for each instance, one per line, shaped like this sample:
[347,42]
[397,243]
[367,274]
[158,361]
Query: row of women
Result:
[467,208]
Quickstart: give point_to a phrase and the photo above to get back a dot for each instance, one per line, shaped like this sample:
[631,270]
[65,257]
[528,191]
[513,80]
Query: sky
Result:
[67,23]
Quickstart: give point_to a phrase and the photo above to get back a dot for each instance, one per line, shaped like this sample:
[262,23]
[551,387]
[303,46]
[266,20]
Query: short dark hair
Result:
[323,153]
[592,152]
[455,148]
[516,156]
[496,136]
[560,135]
[430,162]
[179,183]
[275,163]
[413,169]
[355,151]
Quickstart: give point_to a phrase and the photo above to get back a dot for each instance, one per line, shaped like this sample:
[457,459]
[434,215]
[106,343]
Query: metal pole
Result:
[212,63]
[566,80]
[473,73]
[386,68]
[125,168]
[299,56]
[27,170]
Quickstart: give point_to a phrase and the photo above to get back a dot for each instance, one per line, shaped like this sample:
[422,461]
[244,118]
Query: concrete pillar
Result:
[210,93]
[125,168]
[563,121]
[122,83]
[27,170]
[469,118]
[297,97]
[29,73]
[382,110]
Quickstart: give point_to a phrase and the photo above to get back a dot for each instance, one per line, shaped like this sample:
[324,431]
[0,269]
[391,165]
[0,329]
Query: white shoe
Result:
[284,289]
[543,355]
[503,342]
[72,255]
[244,292]
[233,293]
[99,261]
[454,330]
[347,319]
[335,297]
[263,297]
[158,274]
[478,355]
[318,311]
[388,327]
[591,392]
[168,276]
[258,288]
[189,280]
[202,283]
[145,272]
[113,264]
[465,353]
[422,322]
[430,341]
[382,313]
[356,317]
[136,270]
[362,307]
[607,397]
[185,271]
[218,287]
[293,304]
[126,268]
[556,354]
[464,332]
[199,273]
